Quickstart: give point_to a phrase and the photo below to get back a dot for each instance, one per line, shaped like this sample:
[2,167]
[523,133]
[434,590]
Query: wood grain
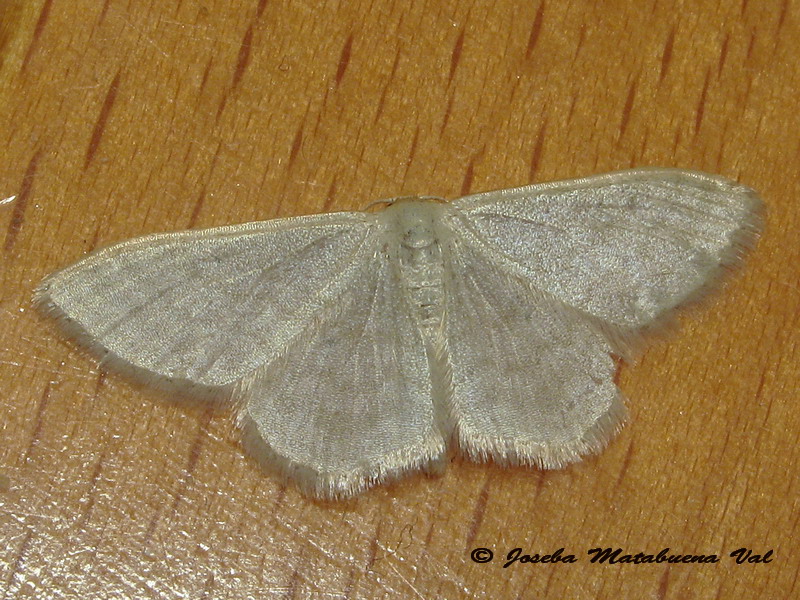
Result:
[126,118]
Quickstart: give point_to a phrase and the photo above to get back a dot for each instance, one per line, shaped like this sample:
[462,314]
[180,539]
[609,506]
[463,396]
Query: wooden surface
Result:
[125,118]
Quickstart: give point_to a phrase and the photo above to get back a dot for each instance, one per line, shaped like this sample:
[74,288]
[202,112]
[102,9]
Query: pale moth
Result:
[360,346]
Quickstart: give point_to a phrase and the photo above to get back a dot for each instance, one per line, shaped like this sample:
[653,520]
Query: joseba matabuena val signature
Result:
[614,556]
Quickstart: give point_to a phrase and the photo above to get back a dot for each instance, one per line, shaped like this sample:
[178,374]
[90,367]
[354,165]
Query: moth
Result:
[359,346]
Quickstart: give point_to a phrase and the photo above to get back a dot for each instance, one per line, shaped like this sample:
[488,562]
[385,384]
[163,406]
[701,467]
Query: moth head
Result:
[414,221]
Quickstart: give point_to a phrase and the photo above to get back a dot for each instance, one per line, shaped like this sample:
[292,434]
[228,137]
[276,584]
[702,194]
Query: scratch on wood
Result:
[760,389]
[101,380]
[21,202]
[637,156]
[197,444]
[432,526]
[297,143]
[244,57]
[198,206]
[447,112]
[536,157]
[208,586]
[103,11]
[294,585]
[331,195]
[96,473]
[793,586]
[676,140]
[87,511]
[44,14]
[372,553]
[626,111]
[317,114]
[751,45]
[666,55]
[222,103]
[37,427]
[347,590]
[344,59]
[782,17]
[579,45]
[663,584]
[151,528]
[385,91]
[455,58]
[412,152]
[757,398]
[701,107]
[202,198]
[466,185]
[19,561]
[478,513]
[723,52]
[206,72]
[543,475]
[549,584]
[280,498]
[718,595]
[573,103]
[93,244]
[102,119]
[536,30]
[625,464]
[192,459]
[721,151]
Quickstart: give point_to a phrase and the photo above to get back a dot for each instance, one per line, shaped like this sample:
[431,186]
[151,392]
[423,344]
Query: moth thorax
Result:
[414,229]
